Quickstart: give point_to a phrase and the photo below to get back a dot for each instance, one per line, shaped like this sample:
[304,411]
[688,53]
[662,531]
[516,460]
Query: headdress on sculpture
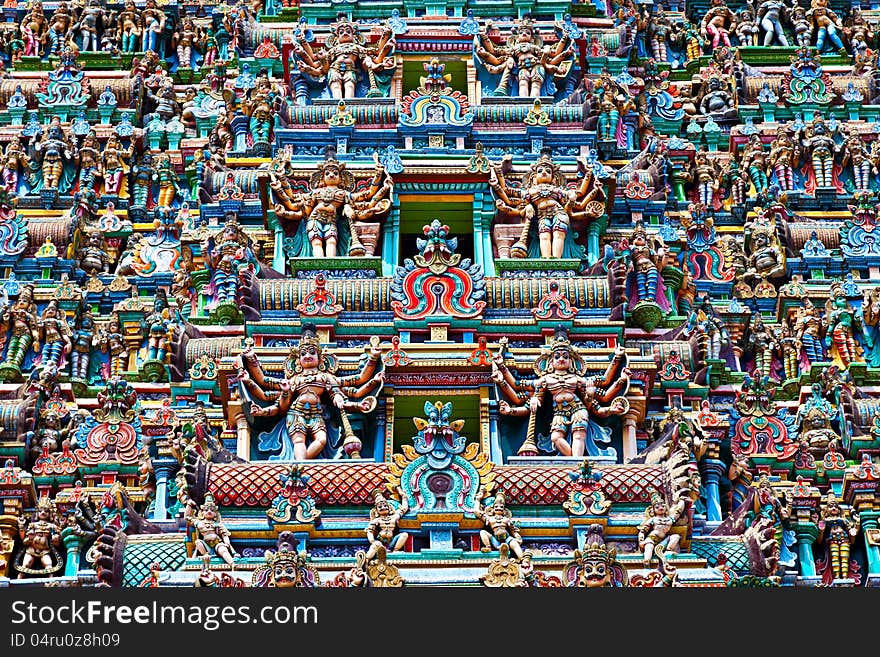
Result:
[545,160]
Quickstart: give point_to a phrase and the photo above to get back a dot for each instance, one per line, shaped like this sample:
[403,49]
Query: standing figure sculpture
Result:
[712,335]
[152,26]
[544,199]
[524,61]
[112,342]
[129,23]
[54,334]
[56,157]
[59,27]
[770,13]
[826,25]
[789,349]
[383,531]
[718,23]
[226,254]
[817,141]
[34,29]
[114,167]
[156,325]
[91,24]
[843,323]
[300,396]
[659,30]
[706,175]
[575,399]
[754,163]
[808,329]
[15,165]
[855,152]
[761,342]
[330,206]
[344,55]
[838,529]
[25,331]
[83,340]
[656,529]
[782,159]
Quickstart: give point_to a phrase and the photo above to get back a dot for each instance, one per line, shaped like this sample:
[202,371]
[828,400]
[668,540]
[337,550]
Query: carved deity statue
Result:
[524,61]
[300,396]
[817,141]
[826,25]
[718,23]
[209,532]
[383,530]
[345,55]
[842,323]
[574,398]
[656,529]
[547,206]
[330,206]
[838,530]
[41,538]
[771,13]
[500,527]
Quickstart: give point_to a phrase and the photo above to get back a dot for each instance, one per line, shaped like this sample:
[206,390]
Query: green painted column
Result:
[73,542]
[391,240]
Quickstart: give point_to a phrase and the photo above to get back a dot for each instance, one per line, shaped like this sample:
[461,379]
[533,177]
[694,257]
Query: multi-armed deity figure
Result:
[575,399]
[544,199]
[300,396]
[209,532]
[331,206]
[718,23]
[656,529]
[842,324]
[41,538]
[838,529]
[382,531]
[524,60]
[344,55]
